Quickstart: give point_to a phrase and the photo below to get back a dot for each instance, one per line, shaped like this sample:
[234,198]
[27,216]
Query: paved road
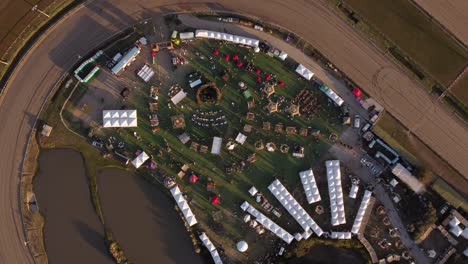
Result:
[452,14]
[98,20]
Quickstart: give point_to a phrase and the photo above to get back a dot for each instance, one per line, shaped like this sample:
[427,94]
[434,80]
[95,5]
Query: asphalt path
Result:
[96,21]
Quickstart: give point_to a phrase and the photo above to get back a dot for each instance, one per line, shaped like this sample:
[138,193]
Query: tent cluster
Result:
[183,206]
[304,72]
[140,159]
[227,37]
[336,192]
[145,73]
[361,212]
[119,118]
[310,186]
[294,209]
[267,223]
[340,235]
[211,248]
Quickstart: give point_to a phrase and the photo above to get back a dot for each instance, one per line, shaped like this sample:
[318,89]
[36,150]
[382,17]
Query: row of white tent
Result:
[183,206]
[361,212]
[335,191]
[119,118]
[340,235]
[201,33]
[267,223]
[304,72]
[310,186]
[211,248]
[145,73]
[294,209]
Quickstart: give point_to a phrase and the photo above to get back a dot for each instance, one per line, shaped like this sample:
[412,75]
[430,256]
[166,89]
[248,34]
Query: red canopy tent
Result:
[268,77]
[193,178]
[239,64]
[258,71]
[281,83]
[215,199]
[259,79]
[235,57]
[215,52]
[227,57]
[357,92]
[153,53]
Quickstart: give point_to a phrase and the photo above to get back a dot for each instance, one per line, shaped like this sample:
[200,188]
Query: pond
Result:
[143,220]
[72,231]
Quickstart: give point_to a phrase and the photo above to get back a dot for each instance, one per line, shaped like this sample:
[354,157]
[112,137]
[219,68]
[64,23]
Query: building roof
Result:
[335,192]
[183,206]
[405,176]
[294,208]
[140,159]
[119,118]
[216,147]
[145,73]
[310,186]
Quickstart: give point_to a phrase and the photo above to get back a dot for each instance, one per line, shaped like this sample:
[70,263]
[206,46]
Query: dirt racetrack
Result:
[98,20]
[452,14]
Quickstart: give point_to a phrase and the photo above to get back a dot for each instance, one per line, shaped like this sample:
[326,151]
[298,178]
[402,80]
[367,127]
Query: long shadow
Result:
[92,237]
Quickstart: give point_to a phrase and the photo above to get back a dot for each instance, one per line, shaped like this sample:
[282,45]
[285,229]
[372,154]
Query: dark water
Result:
[73,233]
[143,220]
[322,254]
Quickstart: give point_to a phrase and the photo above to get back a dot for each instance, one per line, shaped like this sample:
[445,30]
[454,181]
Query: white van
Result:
[357,121]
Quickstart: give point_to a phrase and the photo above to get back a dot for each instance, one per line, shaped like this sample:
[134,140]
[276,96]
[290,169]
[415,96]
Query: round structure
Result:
[242,246]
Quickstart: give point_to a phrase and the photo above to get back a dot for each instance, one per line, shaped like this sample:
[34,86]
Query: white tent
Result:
[216,147]
[242,246]
[253,191]
[267,223]
[335,192]
[227,37]
[119,118]
[361,212]
[456,230]
[211,248]
[241,138]
[126,60]
[310,186]
[195,83]
[186,35]
[304,72]
[340,235]
[183,206]
[334,97]
[145,73]
[405,176]
[178,97]
[140,159]
[354,190]
[293,207]
[283,55]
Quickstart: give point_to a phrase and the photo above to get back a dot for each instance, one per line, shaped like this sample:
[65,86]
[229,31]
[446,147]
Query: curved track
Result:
[97,20]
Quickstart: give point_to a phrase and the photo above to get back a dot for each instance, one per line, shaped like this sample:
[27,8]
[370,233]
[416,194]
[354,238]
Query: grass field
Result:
[414,33]
[231,187]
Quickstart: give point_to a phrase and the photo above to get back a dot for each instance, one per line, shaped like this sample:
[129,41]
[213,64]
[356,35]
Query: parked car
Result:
[366,127]
[357,121]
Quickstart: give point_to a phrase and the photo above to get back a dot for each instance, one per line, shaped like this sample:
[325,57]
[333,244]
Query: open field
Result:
[413,32]
[412,149]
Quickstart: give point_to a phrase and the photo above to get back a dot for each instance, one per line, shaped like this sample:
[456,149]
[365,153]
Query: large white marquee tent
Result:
[267,223]
[227,37]
[119,118]
[334,97]
[304,72]
[336,192]
[294,208]
[310,186]
[140,159]
[211,248]
[361,212]
[183,206]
